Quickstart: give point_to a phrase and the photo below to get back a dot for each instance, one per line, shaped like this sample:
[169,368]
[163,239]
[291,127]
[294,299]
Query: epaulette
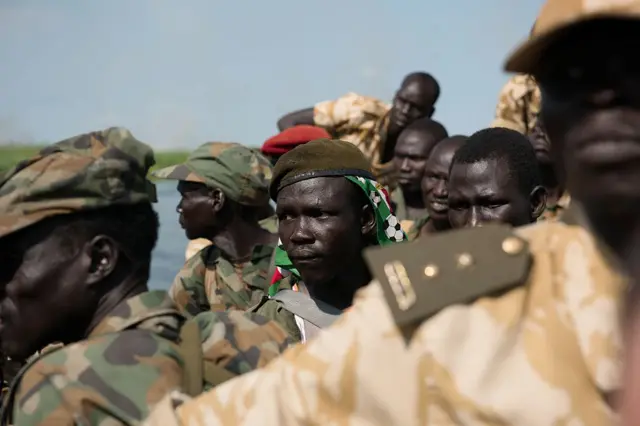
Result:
[421,278]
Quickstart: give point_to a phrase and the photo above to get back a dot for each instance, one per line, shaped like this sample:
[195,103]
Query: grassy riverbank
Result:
[12,154]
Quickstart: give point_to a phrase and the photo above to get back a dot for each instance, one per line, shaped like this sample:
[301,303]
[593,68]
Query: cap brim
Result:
[526,58]
[177,172]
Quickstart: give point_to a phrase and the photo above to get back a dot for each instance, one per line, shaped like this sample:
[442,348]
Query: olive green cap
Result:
[319,158]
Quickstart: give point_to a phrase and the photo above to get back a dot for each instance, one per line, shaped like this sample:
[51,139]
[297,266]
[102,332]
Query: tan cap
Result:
[558,15]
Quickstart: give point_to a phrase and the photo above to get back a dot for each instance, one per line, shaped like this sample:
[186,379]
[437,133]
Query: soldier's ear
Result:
[102,255]
[368,219]
[218,200]
[538,200]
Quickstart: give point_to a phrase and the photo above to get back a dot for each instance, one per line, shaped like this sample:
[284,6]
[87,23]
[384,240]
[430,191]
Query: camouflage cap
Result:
[86,172]
[559,15]
[242,173]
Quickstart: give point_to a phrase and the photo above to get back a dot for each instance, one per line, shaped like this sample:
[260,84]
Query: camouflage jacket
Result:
[363,121]
[414,231]
[130,360]
[545,351]
[518,104]
[210,282]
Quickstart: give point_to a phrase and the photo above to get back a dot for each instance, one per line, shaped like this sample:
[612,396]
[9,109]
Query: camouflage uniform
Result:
[518,104]
[269,224]
[137,353]
[363,121]
[416,226]
[554,212]
[544,351]
[209,280]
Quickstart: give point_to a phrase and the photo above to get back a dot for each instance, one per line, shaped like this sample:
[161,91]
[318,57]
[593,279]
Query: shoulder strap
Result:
[421,278]
[317,312]
[197,370]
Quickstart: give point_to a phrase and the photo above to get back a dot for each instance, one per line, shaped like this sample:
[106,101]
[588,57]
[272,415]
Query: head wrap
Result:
[323,158]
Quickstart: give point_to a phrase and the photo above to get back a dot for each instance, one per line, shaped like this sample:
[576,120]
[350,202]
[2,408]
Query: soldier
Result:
[76,234]
[223,188]
[370,124]
[289,138]
[518,104]
[435,191]
[489,325]
[558,199]
[329,209]
[494,177]
[411,153]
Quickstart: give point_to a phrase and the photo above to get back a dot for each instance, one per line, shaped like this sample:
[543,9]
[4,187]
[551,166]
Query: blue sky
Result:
[179,73]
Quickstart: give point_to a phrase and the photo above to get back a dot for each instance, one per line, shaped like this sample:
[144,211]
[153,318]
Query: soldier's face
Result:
[196,210]
[590,83]
[45,283]
[485,191]
[411,102]
[321,226]
[410,157]
[435,182]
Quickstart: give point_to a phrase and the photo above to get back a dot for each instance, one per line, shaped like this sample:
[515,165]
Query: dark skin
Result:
[590,83]
[58,292]
[435,185]
[486,191]
[591,111]
[411,153]
[413,100]
[324,224]
[542,147]
[208,213]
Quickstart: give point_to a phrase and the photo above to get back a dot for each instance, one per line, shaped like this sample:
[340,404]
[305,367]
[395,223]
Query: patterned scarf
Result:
[388,230]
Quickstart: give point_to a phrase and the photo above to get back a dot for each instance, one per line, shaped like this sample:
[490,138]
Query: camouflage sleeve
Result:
[188,289]
[510,108]
[350,111]
[240,342]
[111,380]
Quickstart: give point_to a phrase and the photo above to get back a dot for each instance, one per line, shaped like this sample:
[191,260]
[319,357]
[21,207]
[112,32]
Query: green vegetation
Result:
[12,154]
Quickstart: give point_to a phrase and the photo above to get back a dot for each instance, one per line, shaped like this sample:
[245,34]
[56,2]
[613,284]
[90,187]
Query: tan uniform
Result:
[543,350]
[554,212]
[518,104]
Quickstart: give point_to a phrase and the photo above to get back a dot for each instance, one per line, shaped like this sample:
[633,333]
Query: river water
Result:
[168,256]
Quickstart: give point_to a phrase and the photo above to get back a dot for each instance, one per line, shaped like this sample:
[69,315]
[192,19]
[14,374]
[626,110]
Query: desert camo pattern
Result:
[209,281]
[131,360]
[358,119]
[518,104]
[86,172]
[552,342]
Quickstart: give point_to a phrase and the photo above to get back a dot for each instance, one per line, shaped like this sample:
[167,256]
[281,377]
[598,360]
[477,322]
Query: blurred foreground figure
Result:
[76,234]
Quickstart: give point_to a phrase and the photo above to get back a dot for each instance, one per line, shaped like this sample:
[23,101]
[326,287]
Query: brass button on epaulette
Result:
[512,245]
[431,271]
[465,260]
